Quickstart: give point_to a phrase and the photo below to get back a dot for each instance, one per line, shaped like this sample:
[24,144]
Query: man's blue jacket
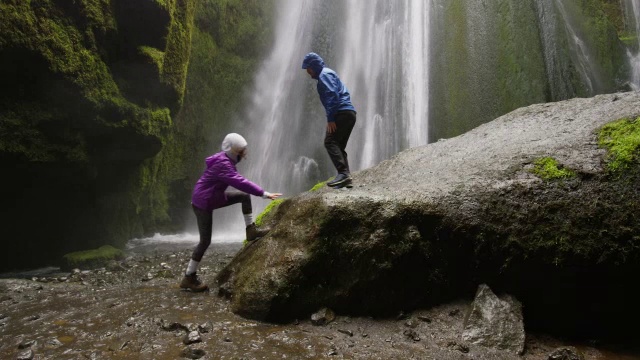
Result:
[334,95]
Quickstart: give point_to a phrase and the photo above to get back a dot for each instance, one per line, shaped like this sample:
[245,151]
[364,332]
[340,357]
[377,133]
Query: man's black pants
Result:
[336,142]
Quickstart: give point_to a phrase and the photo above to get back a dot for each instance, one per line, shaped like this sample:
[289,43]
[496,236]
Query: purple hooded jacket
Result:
[221,172]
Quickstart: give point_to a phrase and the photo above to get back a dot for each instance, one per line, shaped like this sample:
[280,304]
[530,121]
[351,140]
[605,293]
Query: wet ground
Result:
[135,310]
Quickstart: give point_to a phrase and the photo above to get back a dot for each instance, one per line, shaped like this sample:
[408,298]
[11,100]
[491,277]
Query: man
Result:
[211,193]
[341,115]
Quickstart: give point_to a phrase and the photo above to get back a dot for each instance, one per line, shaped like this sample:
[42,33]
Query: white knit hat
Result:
[233,144]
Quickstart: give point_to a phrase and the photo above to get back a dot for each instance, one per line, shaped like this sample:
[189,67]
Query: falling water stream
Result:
[632,8]
[388,54]
[380,51]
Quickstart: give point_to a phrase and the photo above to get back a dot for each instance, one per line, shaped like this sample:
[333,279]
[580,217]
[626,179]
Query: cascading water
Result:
[380,51]
[417,70]
[632,10]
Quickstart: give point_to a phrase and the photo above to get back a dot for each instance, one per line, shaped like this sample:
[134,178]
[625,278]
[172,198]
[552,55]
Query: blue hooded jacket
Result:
[333,93]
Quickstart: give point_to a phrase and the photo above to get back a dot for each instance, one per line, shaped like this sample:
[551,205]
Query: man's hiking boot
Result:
[340,180]
[191,282]
[254,232]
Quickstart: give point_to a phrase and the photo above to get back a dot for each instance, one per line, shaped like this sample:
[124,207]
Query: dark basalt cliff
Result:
[89,93]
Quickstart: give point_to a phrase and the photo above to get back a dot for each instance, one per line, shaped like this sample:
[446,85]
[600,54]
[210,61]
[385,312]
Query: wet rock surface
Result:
[433,222]
[100,314]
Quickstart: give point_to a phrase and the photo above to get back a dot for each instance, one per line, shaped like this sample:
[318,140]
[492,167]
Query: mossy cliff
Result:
[527,203]
[89,92]
[108,108]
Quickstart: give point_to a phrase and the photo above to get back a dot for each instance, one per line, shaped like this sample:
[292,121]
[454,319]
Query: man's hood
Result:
[314,62]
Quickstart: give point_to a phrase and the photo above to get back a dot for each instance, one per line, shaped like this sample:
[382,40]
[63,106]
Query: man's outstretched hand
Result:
[331,127]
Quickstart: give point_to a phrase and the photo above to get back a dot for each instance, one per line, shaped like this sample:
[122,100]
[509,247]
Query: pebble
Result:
[192,338]
[26,344]
[25,355]
[193,353]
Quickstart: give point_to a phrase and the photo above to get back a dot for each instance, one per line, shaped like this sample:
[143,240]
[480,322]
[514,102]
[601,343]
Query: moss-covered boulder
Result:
[91,259]
[434,222]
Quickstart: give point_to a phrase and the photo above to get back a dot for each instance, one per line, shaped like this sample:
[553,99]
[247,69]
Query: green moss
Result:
[629,40]
[92,258]
[621,138]
[155,55]
[268,212]
[548,169]
[176,60]
[318,186]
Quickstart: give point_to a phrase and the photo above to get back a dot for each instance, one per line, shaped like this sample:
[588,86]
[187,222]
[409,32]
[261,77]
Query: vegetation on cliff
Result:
[89,92]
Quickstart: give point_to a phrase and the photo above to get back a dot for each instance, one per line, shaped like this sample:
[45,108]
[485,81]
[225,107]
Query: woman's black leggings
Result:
[205,220]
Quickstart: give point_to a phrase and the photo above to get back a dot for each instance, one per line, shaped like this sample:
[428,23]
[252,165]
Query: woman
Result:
[211,193]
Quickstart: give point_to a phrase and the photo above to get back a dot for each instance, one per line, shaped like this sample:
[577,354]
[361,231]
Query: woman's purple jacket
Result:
[221,172]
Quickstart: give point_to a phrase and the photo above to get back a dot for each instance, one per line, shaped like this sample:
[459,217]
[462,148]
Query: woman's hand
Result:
[273,196]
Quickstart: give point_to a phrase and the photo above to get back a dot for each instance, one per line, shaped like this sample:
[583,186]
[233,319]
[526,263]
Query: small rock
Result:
[25,355]
[167,326]
[412,335]
[63,279]
[131,321]
[26,344]
[148,277]
[54,342]
[454,312]
[424,318]
[205,328]
[402,316]
[566,353]
[192,338]
[411,324]
[346,332]
[193,353]
[323,317]
[3,316]
[33,318]
[227,339]
[463,348]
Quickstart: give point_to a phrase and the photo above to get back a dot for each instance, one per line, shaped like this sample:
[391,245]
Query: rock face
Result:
[495,322]
[88,94]
[436,221]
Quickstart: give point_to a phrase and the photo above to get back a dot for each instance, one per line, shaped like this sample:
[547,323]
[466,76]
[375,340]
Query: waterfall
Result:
[580,50]
[417,70]
[380,50]
[632,8]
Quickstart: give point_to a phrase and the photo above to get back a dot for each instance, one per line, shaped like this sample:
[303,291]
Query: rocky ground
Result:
[134,310]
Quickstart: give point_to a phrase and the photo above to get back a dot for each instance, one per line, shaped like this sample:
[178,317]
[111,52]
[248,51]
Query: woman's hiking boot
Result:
[191,282]
[340,180]
[254,232]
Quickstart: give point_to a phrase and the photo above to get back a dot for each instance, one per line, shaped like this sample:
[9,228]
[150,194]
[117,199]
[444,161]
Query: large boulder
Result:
[526,204]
